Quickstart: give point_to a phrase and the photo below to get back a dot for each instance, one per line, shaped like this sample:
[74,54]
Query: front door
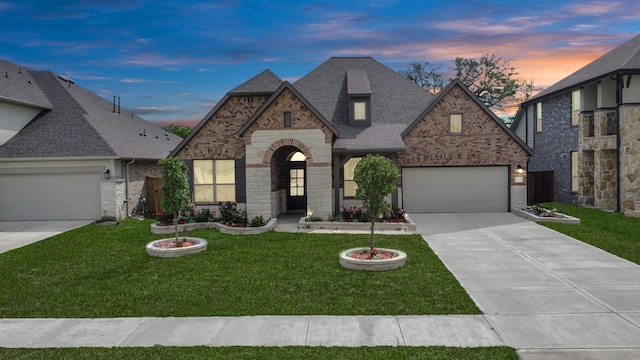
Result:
[297,190]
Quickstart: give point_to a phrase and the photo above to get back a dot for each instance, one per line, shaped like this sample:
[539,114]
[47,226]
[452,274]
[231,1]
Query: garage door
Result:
[50,196]
[456,189]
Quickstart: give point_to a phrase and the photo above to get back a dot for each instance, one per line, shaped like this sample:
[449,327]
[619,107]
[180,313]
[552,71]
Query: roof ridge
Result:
[635,53]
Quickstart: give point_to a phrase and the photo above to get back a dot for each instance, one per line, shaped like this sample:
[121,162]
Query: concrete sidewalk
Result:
[546,294]
[352,331]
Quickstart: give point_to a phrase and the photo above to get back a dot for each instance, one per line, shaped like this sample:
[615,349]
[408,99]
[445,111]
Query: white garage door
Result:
[456,189]
[50,196]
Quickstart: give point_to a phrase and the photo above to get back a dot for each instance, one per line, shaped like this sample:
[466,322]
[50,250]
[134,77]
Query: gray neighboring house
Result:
[585,132]
[67,153]
[275,147]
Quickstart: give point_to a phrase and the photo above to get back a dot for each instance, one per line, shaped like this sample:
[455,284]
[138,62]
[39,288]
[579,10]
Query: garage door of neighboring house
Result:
[50,195]
[456,189]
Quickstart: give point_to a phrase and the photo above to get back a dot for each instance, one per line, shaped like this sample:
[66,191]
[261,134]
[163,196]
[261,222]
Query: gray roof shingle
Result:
[623,58]
[395,102]
[83,124]
[18,86]
[264,83]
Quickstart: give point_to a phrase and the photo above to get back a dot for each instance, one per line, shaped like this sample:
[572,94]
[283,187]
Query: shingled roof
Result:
[80,123]
[18,86]
[623,59]
[395,101]
[264,83]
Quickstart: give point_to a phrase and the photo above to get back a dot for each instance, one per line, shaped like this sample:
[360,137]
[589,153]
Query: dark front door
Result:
[297,190]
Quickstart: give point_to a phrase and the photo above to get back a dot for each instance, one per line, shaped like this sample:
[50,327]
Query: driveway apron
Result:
[546,294]
[15,234]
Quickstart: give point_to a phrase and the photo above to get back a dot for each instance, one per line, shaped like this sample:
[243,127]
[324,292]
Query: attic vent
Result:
[66,79]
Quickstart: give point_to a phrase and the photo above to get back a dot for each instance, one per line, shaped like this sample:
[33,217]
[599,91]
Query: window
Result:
[575,108]
[287,119]
[539,117]
[455,123]
[350,186]
[359,110]
[214,181]
[574,171]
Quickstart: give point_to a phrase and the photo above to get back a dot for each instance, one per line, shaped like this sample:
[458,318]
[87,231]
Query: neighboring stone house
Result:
[66,153]
[585,131]
[275,147]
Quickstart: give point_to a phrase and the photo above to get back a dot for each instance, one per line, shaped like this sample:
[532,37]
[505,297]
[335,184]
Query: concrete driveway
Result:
[546,294]
[15,234]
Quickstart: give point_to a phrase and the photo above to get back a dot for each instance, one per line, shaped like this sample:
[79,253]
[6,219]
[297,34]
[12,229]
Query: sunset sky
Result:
[170,61]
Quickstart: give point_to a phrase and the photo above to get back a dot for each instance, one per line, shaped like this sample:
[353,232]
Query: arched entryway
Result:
[289,179]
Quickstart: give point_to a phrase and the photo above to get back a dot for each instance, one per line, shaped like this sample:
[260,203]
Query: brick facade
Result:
[554,145]
[482,141]
[217,138]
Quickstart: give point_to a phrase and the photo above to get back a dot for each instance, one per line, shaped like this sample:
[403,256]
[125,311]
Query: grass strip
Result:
[264,353]
[613,232]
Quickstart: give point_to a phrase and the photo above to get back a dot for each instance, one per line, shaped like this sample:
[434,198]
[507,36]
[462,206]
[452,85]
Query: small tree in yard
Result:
[376,176]
[175,189]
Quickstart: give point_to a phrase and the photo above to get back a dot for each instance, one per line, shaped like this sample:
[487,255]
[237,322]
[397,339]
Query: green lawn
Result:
[265,353]
[103,271]
[609,231]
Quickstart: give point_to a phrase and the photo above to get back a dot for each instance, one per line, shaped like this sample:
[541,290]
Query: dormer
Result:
[359,91]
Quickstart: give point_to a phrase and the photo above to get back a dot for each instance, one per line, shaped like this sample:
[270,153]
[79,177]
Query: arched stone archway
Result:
[287,142]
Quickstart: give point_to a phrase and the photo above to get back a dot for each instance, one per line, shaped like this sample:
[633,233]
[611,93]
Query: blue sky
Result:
[170,61]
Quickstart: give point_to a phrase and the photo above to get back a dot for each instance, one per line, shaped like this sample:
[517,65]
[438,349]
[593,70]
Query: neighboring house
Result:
[279,148]
[59,143]
[584,130]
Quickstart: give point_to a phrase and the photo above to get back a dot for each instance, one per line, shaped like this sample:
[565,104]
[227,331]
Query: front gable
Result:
[272,116]
[215,137]
[483,140]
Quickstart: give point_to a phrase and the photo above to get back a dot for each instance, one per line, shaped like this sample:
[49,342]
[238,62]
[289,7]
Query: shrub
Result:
[335,218]
[312,218]
[230,215]
[257,221]
[354,213]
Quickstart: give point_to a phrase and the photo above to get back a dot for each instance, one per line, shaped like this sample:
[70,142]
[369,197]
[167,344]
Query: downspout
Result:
[127,186]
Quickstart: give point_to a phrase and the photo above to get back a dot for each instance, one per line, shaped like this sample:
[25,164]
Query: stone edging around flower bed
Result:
[350,263]
[176,252]
[560,220]
[165,230]
[409,227]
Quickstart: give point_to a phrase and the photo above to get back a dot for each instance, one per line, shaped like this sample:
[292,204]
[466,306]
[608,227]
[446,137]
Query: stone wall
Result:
[482,141]
[605,179]
[554,145]
[629,156]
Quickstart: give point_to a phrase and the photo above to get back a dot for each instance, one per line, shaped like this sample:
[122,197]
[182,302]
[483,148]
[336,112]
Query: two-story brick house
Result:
[584,130]
[277,147]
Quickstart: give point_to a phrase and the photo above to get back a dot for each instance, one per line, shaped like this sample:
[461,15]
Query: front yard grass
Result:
[265,353]
[609,231]
[103,271]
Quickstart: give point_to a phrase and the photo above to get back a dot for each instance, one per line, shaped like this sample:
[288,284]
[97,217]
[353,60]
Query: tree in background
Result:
[425,74]
[175,189]
[179,130]
[493,79]
[376,177]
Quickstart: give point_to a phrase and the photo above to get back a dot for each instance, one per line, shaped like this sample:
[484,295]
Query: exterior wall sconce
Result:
[520,170]
[107,174]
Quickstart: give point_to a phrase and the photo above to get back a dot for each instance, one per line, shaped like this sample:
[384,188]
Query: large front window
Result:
[350,186]
[214,181]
